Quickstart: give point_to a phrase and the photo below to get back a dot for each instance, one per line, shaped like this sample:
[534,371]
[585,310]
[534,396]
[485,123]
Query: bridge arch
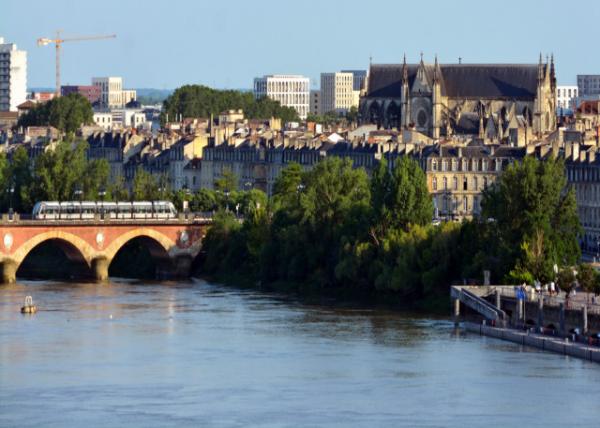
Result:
[73,246]
[156,240]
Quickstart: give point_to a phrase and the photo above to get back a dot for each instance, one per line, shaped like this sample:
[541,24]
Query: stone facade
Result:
[444,100]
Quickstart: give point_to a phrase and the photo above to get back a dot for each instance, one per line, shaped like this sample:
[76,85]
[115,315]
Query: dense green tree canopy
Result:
[535,217]
[202,101]
[62,173]
[66,113]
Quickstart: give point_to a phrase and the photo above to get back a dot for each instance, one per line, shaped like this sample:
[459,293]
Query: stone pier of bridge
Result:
[174,243]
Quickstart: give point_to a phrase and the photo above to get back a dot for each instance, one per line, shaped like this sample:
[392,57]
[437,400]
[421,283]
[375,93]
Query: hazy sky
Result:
[165,44]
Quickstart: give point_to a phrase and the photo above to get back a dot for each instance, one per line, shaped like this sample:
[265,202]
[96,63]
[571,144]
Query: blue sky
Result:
[165,44]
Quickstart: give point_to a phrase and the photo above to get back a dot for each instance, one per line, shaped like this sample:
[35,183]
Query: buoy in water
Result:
[29,307]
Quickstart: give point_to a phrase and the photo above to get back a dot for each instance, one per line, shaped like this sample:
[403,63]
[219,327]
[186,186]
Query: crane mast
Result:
[58,41]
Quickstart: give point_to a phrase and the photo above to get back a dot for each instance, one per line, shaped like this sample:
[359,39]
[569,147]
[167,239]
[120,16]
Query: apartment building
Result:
[565,96]
[290,90]
[13,76]
[337,92]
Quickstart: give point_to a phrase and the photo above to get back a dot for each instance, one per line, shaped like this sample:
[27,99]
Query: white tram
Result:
[88,210]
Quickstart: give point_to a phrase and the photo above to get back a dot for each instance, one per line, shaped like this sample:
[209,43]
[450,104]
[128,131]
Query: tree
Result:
[535,218]
[227,183]
[60,172]
[118,191]
[566,280]
[400,197]
[586,277]
[16,175]
[66,114]
[204,200]
[201,101]
[145,186]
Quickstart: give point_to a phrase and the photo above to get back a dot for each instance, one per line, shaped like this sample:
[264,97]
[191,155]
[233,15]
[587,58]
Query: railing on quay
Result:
[552,300]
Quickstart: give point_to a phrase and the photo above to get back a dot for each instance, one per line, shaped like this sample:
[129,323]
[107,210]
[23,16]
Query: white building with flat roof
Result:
[13,76]
[565,96]
[289,89]
[111,91]
[337,92]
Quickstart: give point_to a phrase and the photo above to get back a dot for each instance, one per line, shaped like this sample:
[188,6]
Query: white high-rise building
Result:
[289,90]
[337,92]
[565,96]
[111,91]
[13,76]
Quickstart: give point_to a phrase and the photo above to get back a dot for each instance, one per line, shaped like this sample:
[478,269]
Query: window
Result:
[444,165]
[454,165]
[485,182]
[455,183]
[445,183]
[434,183]
[465,186]
[434,165]
[465,204]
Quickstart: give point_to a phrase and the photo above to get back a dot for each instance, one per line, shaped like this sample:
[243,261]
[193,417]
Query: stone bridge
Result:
[174,242]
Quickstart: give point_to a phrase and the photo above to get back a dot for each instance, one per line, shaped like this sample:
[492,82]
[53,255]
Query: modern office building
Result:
[588,85]
[358,78]
[13,76]
[565,96]
[337,92]
[290,90]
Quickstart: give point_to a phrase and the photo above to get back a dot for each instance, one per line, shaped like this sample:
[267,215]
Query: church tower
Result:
[545,106]
[404,97]
[436,99]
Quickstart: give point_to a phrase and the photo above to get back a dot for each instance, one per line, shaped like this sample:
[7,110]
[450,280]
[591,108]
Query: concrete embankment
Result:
[546,343]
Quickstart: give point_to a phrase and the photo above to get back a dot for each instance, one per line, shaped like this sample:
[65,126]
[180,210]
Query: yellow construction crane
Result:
[43,41]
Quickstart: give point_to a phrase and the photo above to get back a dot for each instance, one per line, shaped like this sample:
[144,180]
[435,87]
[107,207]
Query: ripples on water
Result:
[195,354]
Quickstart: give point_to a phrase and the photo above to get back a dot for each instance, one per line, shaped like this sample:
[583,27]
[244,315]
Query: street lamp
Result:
[12,191]
[102,194]
[226,193]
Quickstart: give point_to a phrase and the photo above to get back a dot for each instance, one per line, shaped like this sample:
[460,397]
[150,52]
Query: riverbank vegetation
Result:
[333,230]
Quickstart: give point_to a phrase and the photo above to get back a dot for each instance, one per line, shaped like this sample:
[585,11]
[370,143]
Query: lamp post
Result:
[226,193]
[102,194]
[12,192]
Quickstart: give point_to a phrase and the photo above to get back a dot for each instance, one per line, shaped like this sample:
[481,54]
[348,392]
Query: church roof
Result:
[512,81]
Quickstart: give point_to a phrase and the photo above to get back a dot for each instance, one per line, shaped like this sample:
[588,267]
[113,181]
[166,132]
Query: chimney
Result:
[568,150]
[530,149]
[575,151]
[591,155]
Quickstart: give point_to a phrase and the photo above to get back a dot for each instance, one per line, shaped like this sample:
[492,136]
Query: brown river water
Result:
[194,354]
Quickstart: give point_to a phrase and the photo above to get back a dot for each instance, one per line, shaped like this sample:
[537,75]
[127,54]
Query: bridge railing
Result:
[182,217]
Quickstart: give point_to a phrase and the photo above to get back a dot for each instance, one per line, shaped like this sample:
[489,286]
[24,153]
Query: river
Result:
[194,354]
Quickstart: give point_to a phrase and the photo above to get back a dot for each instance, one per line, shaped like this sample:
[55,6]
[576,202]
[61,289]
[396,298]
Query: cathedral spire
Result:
[552,71]
[436,70]
[540,69]
[404,70]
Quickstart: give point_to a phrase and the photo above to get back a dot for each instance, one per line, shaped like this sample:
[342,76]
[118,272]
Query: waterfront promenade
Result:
[550,322]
